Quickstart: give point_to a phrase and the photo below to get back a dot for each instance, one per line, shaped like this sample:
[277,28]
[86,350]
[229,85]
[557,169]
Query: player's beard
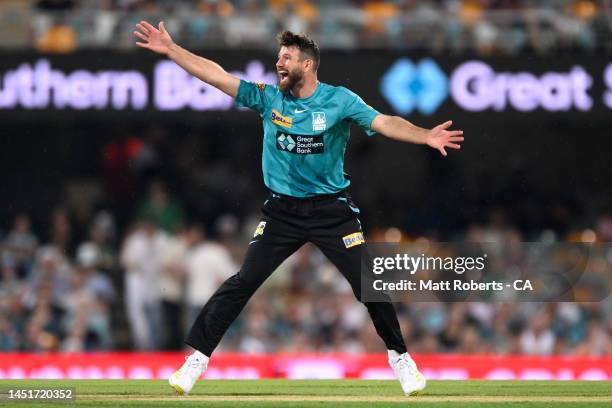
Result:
[291,81]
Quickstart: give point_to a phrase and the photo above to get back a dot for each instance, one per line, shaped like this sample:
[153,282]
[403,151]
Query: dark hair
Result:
[306,46]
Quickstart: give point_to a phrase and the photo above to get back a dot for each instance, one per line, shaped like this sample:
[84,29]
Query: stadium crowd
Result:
[93,287]
[484,26]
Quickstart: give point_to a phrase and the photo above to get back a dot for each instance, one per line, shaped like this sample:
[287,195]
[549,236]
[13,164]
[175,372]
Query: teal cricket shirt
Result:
[305,138]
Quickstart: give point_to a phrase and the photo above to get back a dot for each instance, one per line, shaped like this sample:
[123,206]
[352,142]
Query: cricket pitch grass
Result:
[320,393]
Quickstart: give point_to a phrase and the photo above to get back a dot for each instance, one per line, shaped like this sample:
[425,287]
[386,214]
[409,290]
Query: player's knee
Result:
[247,282]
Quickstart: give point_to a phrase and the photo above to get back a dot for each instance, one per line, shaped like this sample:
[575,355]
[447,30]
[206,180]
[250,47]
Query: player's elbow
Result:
[382,123]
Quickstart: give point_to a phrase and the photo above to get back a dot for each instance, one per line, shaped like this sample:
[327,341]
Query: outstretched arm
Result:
[159,41]
[400,129]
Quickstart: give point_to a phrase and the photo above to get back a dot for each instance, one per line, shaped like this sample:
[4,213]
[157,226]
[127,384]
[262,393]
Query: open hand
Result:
[155,39]
[439,137]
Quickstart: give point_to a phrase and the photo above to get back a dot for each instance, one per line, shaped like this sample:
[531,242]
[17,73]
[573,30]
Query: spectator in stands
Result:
[44,329]
[9,339]
[512,337]
[470,341]
[538,339]
[85,322]
[51,272]
[166,213]
[598,341]
[207,265]
[227,229]
[97,283]
[487,27]
[77,336]
[20,244]
[55,33]
[12,310]
[140,257]
[455,323]
[256,336]
[61,231]
[172,287]
[353,316]
[100,234]
[61,308]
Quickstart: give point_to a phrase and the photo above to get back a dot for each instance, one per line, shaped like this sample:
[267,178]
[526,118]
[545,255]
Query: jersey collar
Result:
[314,94]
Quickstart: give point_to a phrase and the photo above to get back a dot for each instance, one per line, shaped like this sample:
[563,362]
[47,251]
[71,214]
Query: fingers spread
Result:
[143,45]
[447,124]
[141,35]
[456,139]
[453,146]
[148,26]
[443,151]
[142,28]
[162,27]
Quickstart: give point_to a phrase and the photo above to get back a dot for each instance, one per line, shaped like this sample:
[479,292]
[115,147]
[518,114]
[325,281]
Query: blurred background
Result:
[129,191]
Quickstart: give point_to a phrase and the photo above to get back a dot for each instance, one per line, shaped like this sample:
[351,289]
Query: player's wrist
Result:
[172,48]
[428,137]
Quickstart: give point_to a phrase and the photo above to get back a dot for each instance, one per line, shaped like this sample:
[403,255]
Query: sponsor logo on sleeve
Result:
[281,120]
[354,239]
[260,86]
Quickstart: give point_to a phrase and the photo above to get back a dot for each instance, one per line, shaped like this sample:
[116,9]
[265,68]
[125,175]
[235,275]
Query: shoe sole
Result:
[177,388]
[418,392]
[415,392]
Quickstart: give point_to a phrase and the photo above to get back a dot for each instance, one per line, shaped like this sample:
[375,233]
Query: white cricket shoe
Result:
[185,377]
[406,371]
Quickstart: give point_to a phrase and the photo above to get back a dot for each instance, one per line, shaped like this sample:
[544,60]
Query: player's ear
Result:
[308,64]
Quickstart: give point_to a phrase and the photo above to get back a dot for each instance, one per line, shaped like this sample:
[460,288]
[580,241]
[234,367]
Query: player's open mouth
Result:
[283,74]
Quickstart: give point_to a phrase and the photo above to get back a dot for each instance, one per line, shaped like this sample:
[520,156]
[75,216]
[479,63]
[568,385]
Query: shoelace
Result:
[405,364]
[193,362]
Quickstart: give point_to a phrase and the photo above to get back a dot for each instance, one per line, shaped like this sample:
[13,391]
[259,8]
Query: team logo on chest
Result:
[319,121]
[281,120]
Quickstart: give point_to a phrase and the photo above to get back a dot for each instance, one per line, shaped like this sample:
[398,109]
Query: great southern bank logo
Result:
[285,142]
[408,86]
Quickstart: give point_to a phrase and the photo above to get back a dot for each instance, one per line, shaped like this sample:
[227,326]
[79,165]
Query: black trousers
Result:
[330,223]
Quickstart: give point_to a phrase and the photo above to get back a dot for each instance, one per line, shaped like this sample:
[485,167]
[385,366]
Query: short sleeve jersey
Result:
[305,138]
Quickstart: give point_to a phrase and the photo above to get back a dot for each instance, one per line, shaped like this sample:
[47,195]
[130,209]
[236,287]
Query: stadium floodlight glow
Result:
[475,86]
[38,86]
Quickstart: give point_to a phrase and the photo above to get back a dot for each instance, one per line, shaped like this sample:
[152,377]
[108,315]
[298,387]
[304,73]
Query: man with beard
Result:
[306,129]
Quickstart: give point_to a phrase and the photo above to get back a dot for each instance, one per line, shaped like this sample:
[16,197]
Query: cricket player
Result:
[306,126]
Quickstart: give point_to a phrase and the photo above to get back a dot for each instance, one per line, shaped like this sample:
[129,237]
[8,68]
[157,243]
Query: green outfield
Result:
[324,393]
